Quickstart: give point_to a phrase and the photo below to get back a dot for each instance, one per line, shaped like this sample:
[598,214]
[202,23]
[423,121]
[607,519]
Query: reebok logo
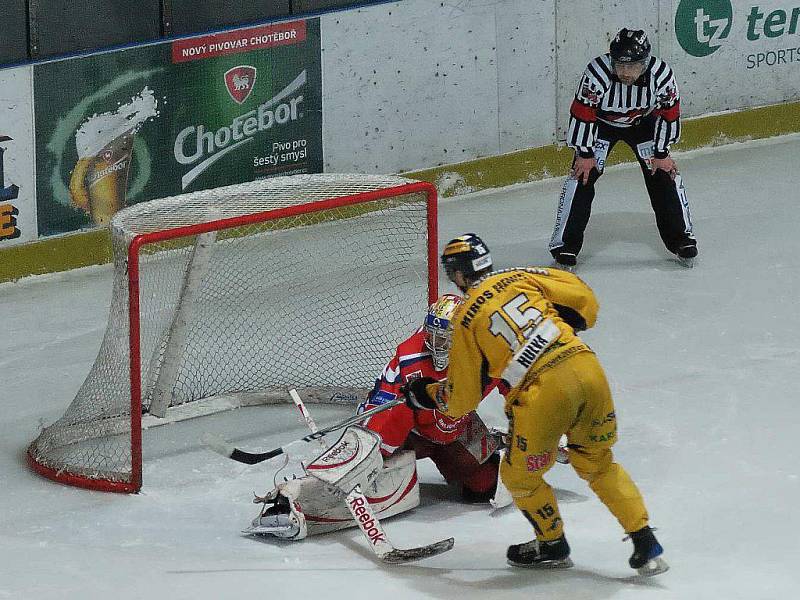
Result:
[367,524]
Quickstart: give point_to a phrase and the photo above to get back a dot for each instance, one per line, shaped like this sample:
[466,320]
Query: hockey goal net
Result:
[227,297]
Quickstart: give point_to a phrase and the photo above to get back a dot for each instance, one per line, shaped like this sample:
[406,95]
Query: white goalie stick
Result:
[221,446]
[368,523]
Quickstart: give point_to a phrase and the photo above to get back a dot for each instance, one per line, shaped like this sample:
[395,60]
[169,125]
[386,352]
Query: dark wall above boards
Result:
[13,32]
[59,27]
[41,29]
[303,6]
[183,17]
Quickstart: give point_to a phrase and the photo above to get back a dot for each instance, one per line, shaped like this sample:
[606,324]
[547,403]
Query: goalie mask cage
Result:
[230,296]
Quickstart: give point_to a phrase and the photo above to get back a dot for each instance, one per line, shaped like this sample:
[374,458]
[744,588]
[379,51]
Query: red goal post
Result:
[227,297]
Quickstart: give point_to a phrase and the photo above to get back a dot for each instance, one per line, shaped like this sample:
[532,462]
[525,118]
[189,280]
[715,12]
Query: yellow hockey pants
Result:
[571,397]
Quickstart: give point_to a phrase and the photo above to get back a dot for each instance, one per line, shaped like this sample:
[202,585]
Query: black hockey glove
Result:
[416,395]
[571,317]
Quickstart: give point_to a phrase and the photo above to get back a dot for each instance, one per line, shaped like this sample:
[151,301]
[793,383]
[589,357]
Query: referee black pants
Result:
[667,196]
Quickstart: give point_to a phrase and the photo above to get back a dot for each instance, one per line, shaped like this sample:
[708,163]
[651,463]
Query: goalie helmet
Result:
[438,329]
[630,46]
[466,253]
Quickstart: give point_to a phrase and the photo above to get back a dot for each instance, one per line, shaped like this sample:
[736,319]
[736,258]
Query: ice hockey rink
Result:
[703,364]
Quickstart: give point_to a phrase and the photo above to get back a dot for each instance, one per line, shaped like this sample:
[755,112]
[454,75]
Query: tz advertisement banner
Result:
[732,54]
[123,127]
[17,190]
[765,33]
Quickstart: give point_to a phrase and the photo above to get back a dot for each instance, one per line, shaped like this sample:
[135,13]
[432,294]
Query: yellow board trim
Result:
[534,164]
[51,255]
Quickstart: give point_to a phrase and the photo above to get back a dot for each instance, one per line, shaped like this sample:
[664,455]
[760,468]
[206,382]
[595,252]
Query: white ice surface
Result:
[703,364]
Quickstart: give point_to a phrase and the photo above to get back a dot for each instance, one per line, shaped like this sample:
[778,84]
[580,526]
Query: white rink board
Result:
[421,83]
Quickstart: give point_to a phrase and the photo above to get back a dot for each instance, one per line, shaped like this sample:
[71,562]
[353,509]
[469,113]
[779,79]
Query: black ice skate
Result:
[646,557]
[566,260]
[686,255]
[540,555]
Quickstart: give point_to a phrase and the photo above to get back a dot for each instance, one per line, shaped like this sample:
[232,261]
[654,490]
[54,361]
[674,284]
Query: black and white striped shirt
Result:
[602,97]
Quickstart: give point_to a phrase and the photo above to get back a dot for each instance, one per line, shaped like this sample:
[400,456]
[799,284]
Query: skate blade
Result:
[686,262]
[654,566]
[267,530]
[562,563]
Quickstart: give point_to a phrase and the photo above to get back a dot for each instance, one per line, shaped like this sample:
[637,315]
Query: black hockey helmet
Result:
[630,45]
[466,253]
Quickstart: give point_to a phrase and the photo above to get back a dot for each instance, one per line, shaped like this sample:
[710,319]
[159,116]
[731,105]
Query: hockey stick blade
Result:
[228,450]
[399,556]
[220,446]
[253,459]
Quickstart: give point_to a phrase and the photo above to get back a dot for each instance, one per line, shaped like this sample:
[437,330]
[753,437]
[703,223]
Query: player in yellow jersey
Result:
[519,326]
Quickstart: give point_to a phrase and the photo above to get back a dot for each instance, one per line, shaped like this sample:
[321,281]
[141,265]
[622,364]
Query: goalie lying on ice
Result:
[463,449]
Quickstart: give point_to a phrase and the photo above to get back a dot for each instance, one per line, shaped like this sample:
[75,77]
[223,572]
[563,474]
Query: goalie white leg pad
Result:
[395,490]
[355,458]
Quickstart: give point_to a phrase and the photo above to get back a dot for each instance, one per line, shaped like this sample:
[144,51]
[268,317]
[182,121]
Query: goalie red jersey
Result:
[411,360]
[462,449]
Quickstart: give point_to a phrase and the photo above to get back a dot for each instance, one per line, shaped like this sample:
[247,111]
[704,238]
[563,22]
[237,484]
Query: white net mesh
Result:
[316,301]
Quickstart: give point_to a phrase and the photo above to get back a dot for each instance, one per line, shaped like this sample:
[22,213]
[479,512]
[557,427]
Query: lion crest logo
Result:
[240,81]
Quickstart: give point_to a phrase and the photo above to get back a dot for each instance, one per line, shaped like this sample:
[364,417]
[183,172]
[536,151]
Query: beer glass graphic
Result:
[104,142]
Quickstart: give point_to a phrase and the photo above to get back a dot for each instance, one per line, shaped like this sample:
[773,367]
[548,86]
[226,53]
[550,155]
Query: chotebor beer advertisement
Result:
[123,127]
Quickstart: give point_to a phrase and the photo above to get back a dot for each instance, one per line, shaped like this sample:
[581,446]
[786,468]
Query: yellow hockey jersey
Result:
[511,325]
